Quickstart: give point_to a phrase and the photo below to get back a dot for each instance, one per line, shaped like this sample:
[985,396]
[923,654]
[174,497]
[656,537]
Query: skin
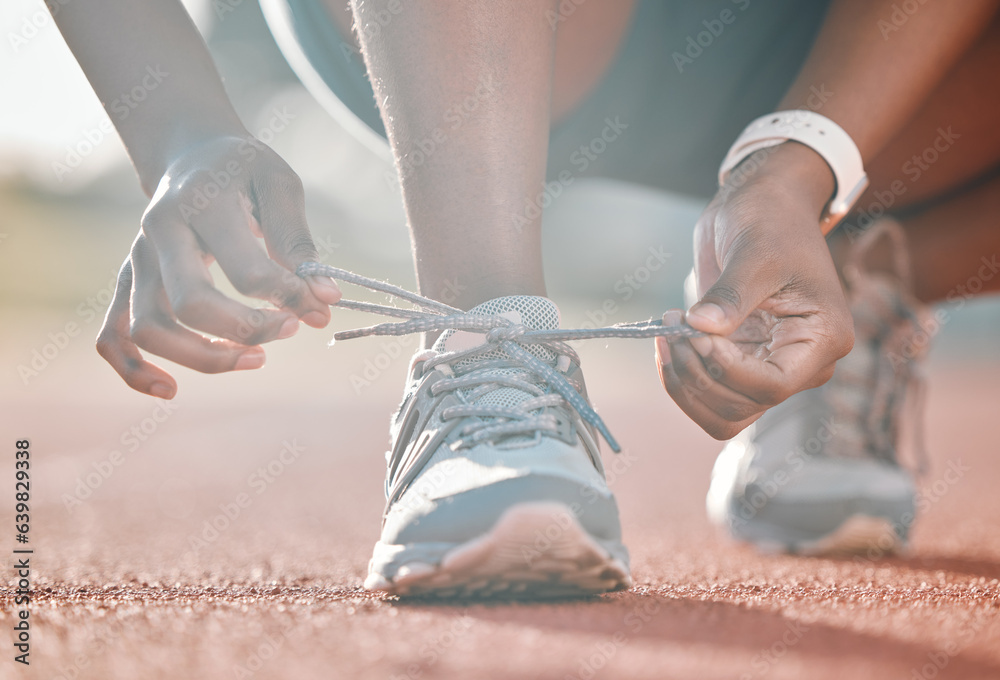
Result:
[165,301]
[769,287]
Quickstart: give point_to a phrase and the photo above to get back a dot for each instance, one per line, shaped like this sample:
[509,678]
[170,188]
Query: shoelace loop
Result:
[499,333]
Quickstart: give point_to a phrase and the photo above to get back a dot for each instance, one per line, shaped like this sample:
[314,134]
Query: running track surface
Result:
[123,590]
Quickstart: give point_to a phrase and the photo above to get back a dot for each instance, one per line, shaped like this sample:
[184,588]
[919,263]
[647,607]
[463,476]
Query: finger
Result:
[280,202]
[672,317]
[746,280]
[154,329]
[701,385]
[223,227]
[192,296]
[115,345]
[690,403]
[796,360]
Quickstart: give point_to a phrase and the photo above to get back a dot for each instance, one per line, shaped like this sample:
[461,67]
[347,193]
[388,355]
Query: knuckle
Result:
[150,221]
[720,430]
[822,376]
[298,245]
[289,183]
[106,345]
[142,330]
[215,365]
[737,412]
[717,371]
[845,339]
[253,279]
[726,294]
[189,305]
[281,181]
[772,395]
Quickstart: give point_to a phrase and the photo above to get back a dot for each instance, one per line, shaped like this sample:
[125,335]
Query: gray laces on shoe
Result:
[893,385]
[503,336]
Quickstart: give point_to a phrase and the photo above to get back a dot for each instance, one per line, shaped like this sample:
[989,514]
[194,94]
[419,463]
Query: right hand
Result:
[770,300]
[210,204]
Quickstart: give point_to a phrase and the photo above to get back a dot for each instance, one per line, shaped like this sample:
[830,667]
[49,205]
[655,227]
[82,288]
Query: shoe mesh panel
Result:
[537,313]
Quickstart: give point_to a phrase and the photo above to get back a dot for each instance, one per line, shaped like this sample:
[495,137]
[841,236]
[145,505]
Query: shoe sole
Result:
[860,535]
[534,551]
[877,534]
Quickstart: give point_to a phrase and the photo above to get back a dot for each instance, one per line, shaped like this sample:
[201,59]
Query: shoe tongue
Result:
[534,312]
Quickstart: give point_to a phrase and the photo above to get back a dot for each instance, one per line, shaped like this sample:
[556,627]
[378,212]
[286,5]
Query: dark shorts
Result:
[689,77]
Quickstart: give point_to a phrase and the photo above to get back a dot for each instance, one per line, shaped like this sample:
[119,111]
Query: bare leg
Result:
[466,93]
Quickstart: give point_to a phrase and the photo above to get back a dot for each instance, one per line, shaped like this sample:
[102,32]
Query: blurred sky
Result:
[48,102]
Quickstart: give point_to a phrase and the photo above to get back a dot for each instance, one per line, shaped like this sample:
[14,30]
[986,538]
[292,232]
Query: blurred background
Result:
[69,209]
[124,487]
[70,206]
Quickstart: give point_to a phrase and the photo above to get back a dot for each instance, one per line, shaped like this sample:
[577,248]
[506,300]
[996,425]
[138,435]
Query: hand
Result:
[769,295]
[210,204]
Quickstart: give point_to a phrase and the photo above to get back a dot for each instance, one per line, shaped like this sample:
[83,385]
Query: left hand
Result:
[769,296]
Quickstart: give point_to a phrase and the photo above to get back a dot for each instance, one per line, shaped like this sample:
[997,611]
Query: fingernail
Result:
[161,390]
[663,352]
[315,319]
[252,358]
[672,317]
[707,311]
[328,285]
[702,345]
[324,281]
[289,328]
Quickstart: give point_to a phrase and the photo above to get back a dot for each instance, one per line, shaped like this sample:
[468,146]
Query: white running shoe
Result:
[495,483]
[820,473]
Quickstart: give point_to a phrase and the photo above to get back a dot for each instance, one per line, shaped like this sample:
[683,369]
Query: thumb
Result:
[740,289]
[281,208]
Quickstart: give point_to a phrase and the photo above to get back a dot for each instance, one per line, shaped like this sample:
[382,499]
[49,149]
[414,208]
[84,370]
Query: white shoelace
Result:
[500,334]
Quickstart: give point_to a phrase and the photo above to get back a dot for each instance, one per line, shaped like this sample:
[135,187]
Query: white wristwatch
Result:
[821,135]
